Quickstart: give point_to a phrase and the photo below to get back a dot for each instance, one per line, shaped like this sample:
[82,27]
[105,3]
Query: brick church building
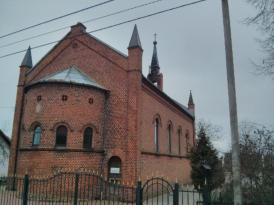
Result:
[85,105]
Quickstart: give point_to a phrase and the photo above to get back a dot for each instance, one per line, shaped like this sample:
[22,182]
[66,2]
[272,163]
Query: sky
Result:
[190,48]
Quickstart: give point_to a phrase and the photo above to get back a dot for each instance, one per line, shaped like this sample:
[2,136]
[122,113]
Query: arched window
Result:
[87,138]
[179,141]
[187,142]
[156,133]
[114,169]
[169,138]
[61,136]
[37,135]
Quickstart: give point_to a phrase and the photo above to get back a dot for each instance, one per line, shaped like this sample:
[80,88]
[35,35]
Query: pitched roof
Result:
[166,97]
[135,39]
[70,75]
[66,37]
[27,61]
[5,137]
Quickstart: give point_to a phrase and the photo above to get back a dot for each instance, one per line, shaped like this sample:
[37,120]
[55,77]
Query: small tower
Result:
[25,66]
[27,61]
[154,74]
[135,51]
[191,104]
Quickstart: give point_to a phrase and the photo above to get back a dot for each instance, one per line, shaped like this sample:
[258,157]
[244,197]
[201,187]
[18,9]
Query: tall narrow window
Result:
[187,142]
[37,135]
[87,138]
[61,136]
[156,132]
[179,142]
[169,138]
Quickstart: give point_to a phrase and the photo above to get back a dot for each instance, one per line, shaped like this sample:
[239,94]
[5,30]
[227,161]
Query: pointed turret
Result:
[191,104]
[154,75]
[135,39]
[154,60]
[190,99]
[135,52]
[27,61]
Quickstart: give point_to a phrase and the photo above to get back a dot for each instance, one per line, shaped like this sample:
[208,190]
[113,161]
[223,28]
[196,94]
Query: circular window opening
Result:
[90,100]
[64,97]
[39,98]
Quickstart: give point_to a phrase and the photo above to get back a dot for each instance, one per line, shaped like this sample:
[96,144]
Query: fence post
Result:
[76,188]
[26,189]
[206,195]
[176,194]
[139,194]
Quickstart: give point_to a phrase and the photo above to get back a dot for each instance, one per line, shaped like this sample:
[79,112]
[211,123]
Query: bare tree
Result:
[214,132]
[257,163]
[264,20]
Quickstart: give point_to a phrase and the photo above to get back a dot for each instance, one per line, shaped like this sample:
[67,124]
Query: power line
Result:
[87,21]
[54,19]
[111,26]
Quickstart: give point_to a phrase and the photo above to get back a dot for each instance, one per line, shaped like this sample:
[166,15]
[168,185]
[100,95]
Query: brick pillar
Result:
[17,121]
[134,111]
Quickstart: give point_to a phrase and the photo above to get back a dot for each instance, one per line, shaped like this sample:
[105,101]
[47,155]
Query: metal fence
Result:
[88,189]
[64,188]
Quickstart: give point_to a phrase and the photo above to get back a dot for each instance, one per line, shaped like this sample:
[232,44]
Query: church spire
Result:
[191,105]
[154,60]
[190,99]
[27,61]
[135,39]
[154,74]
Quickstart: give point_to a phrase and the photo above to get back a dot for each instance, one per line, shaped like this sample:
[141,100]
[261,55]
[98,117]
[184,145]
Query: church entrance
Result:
[114,170]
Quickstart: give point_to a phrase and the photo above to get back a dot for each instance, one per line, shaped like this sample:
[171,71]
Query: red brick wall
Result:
[172,165]
[130,112]
[106,67]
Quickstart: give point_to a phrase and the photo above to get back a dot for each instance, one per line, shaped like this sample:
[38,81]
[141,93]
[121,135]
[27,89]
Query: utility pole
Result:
[236,176]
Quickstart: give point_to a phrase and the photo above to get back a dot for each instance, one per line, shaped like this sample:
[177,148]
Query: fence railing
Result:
[88,188]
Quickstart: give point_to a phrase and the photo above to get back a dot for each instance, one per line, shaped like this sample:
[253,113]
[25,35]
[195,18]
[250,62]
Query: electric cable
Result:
[87,21]
[111,26]
[57,18]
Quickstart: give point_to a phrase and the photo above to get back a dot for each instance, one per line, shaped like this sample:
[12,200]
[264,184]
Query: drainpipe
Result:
[104,140]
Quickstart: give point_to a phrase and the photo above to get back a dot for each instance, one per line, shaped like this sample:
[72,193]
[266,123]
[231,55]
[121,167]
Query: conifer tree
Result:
[201,154]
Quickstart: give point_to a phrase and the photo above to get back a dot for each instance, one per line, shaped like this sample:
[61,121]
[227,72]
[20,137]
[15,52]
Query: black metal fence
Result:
[88,189]
[64,188]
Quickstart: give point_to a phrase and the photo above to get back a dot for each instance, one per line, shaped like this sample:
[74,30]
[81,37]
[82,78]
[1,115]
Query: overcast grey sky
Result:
[190,51]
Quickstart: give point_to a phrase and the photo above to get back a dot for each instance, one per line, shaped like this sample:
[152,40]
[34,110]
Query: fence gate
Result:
[157,191]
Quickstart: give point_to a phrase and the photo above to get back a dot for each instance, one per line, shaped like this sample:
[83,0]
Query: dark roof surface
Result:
[27,61]
[135,39]
[5,137]
[172,101]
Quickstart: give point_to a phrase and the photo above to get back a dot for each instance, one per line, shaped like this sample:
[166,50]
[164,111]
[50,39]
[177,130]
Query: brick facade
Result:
[121,115]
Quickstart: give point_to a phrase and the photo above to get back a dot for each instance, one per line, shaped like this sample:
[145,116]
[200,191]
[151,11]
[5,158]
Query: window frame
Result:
[34,135]
[89,144]
[179,141]
[59,135]
[169,138]
[156,135]
[187,141]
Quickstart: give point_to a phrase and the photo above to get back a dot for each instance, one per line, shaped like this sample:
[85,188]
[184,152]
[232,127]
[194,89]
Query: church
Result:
[87,106]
